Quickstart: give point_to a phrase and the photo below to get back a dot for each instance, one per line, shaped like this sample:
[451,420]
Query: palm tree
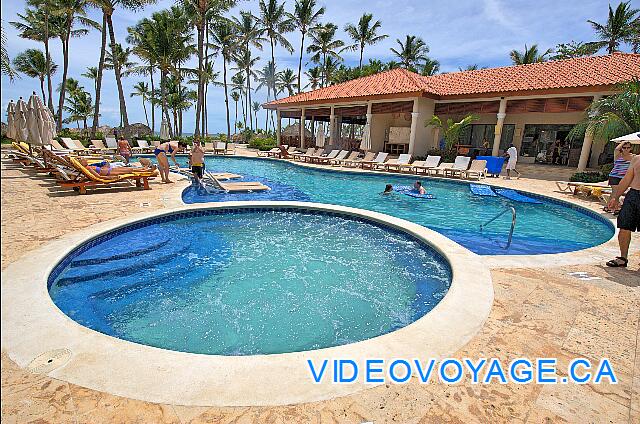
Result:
[529,55]
[108,9]
[235,96]
[38,24]
[256,109]
[412,51]
[92,74]
[614,115]
[179,99]
[32,63]
[78,104]
[224,39]
[315,77]
[245,62]
[5,61]
[620,27]
[127,66]
[305,17]
[72,12]
[451,130]
[141,89]
[430,67]
[324,45]
[574,49]
[364,34]
[275,22]
[286,80]
[267,77]
[329,69]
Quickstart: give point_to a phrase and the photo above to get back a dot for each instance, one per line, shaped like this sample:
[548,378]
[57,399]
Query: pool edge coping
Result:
[32,324]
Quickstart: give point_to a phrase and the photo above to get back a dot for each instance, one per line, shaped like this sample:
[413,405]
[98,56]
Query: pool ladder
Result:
[513,222]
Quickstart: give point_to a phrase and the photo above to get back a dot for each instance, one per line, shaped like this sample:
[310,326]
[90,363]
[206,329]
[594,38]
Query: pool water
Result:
[549,227]
[244,283]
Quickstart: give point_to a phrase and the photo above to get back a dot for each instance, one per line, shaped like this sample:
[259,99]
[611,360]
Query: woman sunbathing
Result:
[105,169]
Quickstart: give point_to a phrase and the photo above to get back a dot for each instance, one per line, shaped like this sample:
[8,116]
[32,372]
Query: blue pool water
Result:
[549,227]
[249,282]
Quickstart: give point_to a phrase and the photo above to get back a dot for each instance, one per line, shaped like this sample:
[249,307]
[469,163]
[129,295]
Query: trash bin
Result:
[494,164]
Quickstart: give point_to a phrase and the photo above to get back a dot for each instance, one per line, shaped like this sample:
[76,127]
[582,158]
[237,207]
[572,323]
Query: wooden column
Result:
[332,125]
[279,127]
[415,115]
[302,123]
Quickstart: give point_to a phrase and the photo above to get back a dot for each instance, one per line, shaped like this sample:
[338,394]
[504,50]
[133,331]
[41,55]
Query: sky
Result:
[458,33]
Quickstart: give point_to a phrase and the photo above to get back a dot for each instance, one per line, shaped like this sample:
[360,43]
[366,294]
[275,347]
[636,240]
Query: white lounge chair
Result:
[355,162]
[379,159]
[460,165]
[478,169]
[339,160]
[397,164]
[440,169]
[111,142]
[324,159]
[430,163]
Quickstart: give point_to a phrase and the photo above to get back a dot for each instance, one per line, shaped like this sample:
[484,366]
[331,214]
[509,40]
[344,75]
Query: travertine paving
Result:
[536,312]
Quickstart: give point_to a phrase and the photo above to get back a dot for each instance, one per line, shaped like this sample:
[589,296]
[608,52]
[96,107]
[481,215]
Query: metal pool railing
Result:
[513,223]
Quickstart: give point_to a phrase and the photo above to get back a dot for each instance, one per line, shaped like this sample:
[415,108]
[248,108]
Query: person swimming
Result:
[417,186]
[388,189]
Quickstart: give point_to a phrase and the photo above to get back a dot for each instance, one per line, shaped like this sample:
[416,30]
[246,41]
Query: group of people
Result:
[417,187]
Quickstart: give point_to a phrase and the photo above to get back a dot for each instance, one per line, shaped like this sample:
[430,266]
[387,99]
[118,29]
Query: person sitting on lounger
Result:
[105,169]
[417,186]
[388,189]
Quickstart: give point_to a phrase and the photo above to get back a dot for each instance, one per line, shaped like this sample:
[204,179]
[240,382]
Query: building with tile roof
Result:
[530,106]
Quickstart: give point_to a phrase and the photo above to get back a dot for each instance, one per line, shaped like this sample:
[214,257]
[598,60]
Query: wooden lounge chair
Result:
[57,146]
[276,152]
[397,164]
[298,155]
[269,152]
[460,165]
[423,168]
[90,179]
[325,159]
[379,159]
[572,185]
[440,169]
[478,169]
[111,143]
[73,145]
[355,162]
[309,157]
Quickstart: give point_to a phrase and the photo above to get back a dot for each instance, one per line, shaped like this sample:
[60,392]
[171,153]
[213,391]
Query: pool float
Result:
[411,192]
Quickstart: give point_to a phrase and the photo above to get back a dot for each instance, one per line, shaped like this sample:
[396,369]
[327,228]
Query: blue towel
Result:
[482,190]
[515,196]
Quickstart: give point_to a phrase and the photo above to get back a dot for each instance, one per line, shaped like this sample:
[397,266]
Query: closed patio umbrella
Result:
[320,136]
[46,123]
[164,130]
[22,133]
[33,122]
[365,144]
[11,121]
[633,138]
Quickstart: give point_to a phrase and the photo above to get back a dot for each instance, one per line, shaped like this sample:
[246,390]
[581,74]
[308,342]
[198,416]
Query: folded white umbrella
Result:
[46,123]
[11,120]
[633,138]
[164,130]
[22,133]
[33,136]
[365,144]
[320,136]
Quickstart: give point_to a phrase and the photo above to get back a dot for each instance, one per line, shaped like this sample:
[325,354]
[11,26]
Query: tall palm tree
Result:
[92,74]
[329,70]
[142,48]
[256,109]
[33,64]
[275,22]
[305,16]
[620,27]
[245,62]
[7,69]
[365,33]
[430,67]
[285,81]
[127,66]
[239,85]
[72,12]
[141,89]
[78,106]
[315,77]
[38,24]
[235,96]
[200,13]
[324,45]
[412,51]
[529,55]
[267,78]
[224,39]
[108,9]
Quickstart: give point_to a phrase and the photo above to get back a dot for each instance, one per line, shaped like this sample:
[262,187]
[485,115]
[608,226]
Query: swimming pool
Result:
[250,281]
[550,227]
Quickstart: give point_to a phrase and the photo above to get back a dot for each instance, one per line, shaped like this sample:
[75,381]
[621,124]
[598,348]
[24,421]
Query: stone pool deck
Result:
[537,311]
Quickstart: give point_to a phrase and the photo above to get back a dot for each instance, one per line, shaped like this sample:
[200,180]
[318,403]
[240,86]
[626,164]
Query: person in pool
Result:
[162,153]
[417,186]
[388,189]
[197,161]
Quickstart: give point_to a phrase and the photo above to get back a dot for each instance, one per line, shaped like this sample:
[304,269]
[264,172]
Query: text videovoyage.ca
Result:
[451,371]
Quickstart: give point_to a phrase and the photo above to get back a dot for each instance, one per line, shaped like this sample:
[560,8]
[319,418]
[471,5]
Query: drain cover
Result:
[49,361]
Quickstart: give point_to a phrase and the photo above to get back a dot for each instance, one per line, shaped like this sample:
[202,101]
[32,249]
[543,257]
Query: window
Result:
[475,135]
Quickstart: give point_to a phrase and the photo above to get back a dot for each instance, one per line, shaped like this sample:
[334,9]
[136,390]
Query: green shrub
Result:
[448,155]
[589,177]
[606,168]
[262,143]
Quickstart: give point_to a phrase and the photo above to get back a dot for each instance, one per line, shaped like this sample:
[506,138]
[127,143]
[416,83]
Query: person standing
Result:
[622,159]
[512,154]
[629,217]
[124,149]
[162,153]
[555,152]
[197,161]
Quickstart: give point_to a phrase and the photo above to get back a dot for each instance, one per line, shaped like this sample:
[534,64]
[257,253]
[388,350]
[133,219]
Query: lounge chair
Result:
[573,186]
[440,169]
[355,162]
[326,159]
[309,157]
[377,161]
[342,156]
[111,143]
[57,146]
[460,165]
[340,161]
[298,155]
[208,148]
[269,152]
[89,179]
[276,152]
[142,147]
[398,164]
[478,169]
[424,167]
[98,145]
[73,145]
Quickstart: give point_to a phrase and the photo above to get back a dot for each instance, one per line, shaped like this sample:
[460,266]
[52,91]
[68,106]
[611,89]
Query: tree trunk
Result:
[200,28]
[103,49]
[116,68]
[226,99]
[273,60]
[249,91]
[44,98]
[300,62]
[361,52]
[235,123]
[153,107]
[144,106]
[65,69]
[48,59]
[163,95]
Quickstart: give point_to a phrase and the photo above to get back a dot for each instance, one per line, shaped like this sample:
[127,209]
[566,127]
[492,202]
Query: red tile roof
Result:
[594,71]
